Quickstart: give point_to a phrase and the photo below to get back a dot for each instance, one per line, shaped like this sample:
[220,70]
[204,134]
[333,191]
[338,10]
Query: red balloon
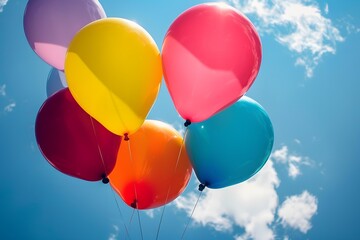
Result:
[72,141]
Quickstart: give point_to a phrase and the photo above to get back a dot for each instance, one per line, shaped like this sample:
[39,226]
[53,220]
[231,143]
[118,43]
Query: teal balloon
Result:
[231,146]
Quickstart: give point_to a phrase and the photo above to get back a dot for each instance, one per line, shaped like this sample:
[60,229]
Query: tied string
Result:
[135,203]
[186,124]
[121,215]
[201,188]
[105,179]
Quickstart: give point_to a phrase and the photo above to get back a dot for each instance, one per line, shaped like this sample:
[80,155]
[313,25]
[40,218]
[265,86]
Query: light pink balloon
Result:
[211,55]
[50,25]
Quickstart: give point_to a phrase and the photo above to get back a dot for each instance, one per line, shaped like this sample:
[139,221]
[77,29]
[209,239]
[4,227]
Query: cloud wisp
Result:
[115,234]
[293,161]
[10,107]
[2,4]
[252,205]
[300,25]
[3,90]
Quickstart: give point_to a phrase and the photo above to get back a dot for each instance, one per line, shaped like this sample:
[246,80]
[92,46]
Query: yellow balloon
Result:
[113,70]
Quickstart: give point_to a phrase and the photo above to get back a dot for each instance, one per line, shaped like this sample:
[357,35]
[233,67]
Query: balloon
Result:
[55,82]
[150,173]
[50,25]
[211,55]
[232,145]
[73,142]
[113,69]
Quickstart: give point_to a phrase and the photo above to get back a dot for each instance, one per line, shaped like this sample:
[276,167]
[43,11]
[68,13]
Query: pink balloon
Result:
[50,25]
[211,55]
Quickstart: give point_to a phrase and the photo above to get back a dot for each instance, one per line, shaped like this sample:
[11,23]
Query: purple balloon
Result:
[50,25]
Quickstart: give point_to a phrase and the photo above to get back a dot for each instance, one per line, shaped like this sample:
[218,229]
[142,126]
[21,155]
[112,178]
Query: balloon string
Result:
[98,146]
[117,110]
[161,218]
[138,214]
[169,188]
[190,217]
[121,215]
[132,215]
[136,196]
[132,162]
[181,147]
[105,176]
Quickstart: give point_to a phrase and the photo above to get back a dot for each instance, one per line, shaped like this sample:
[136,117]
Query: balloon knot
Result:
[126,137]
[105,179]
[202,187]
[134,204]
[187,123]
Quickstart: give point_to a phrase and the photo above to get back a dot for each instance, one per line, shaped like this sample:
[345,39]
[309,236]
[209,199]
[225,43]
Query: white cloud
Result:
[252,205]
[297,24]
[180,128]
[150,213]
[113,236]
[296,211]
[281,155]
[3,90]
[294,171]
[292,161]
[10,107]
[2,4]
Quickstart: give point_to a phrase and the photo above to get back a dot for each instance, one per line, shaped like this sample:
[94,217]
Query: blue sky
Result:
[308,83]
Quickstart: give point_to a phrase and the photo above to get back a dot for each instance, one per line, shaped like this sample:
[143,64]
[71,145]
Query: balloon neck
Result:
[126,137]
[202,187]
[134,204]
[105,179]
[187,123]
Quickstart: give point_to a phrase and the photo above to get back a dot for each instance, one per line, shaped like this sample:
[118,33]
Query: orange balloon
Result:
[149,171]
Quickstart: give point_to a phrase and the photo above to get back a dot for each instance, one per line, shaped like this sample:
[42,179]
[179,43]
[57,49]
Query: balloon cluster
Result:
[106,77]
